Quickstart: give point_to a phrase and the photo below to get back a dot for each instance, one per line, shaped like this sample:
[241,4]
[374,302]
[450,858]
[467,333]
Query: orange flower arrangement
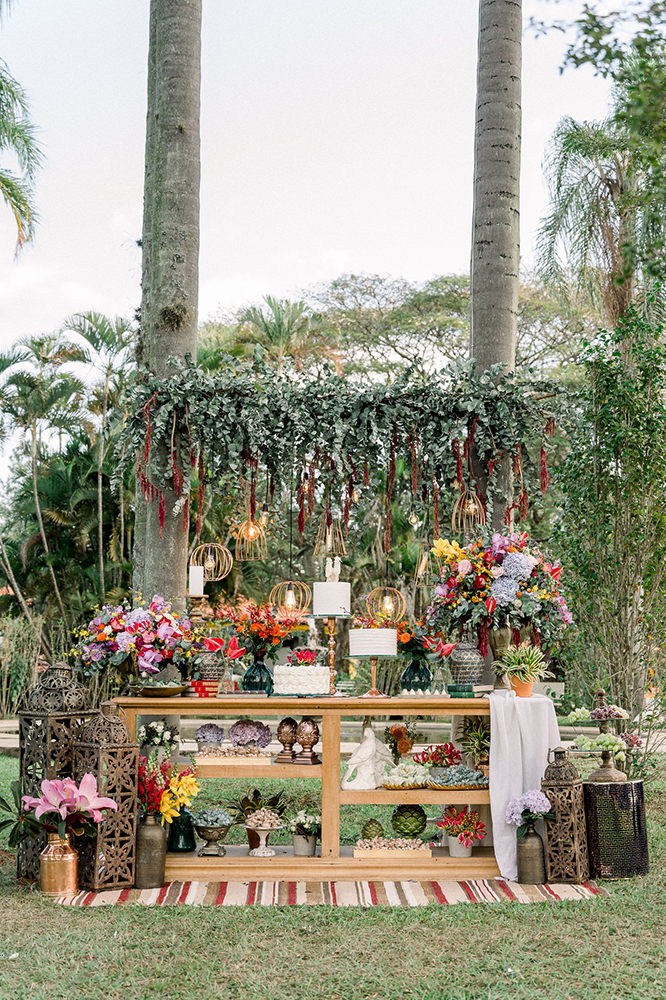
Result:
[258,626]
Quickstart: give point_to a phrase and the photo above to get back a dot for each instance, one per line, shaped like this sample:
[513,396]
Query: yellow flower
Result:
[450,551]
[168,806]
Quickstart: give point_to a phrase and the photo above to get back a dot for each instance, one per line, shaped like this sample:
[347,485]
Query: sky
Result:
[337,137]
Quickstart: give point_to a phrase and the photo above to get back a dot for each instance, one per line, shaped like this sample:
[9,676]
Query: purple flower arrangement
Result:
[246,731]
[524,810]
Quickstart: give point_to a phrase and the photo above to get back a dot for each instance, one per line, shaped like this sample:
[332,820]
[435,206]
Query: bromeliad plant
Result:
[443,755]
[473,735]
[525,662]
[63,807]
[524,810]
[163,791]
[466,826]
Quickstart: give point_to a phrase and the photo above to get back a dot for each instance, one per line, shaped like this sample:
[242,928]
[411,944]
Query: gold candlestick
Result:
[332,624]
[374,692]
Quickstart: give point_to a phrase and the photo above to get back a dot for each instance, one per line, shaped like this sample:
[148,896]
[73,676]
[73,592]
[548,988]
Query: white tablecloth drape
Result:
[522,732]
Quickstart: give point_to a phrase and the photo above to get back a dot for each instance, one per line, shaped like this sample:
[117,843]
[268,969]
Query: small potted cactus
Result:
[305,829]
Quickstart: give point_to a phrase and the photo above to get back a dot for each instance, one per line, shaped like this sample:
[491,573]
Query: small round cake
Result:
[301,679]
[373,642]
[331,599]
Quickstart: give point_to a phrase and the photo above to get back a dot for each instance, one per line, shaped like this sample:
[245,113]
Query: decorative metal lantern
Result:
[566,834]
[251,541]
[57,708]
[330,539]
[215,558]
[386,602]
[291,599]
[104,748]
[428,566]
[468,513]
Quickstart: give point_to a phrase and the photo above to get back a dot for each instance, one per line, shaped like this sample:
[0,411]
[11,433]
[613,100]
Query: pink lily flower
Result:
[90,802]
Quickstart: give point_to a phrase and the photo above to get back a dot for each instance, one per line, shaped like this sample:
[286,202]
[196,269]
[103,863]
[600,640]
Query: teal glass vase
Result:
[181,839]
[258,678]
[416,678]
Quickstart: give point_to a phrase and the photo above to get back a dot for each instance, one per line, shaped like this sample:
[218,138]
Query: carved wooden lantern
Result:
[104,748]
[57,708]
[566,835]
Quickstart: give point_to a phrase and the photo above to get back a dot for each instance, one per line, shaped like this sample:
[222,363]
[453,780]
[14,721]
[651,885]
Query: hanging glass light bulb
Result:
[209,563]
[356,496]
[290,598]
[263,517]
[388,606]
[413,516]
[252,530]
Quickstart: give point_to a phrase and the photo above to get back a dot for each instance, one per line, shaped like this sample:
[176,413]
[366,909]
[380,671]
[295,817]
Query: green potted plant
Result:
[523,665]
[473,736]
[247,804]
[305,829]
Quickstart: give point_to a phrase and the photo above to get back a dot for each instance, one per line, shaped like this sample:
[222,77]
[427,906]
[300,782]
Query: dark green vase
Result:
[181,834]
[416,677]
[258,678]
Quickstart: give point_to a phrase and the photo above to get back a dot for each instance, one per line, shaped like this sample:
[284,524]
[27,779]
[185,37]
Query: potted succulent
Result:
[212,825]
[209,735]
[247,804]
[522,665]
[305,829]
[248,733]
[461,829]
[474,738]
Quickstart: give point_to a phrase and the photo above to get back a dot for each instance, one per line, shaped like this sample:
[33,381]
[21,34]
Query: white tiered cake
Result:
[332,599]
[373,642]
[302,678]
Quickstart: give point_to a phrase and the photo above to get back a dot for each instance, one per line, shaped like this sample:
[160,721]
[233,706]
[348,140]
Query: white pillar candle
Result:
[196,581]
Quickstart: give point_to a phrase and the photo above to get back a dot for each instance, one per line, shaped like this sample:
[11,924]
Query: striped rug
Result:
[363,894]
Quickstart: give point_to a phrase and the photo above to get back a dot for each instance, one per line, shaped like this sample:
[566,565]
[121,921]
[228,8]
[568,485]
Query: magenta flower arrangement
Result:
[152,637]
[63,807]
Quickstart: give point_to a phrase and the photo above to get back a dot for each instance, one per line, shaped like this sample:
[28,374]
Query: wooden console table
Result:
[334,863]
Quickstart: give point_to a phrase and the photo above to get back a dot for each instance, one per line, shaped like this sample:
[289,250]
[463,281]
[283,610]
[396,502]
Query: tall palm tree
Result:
[109,349]
[170,264]
[18,138]
[43,398]
[285,330]
[598,229]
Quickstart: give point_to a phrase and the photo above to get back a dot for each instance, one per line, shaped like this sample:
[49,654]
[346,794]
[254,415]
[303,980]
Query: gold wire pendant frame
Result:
[330,541]
[251,541]
[428,566]
[291,599]
[468,513]
[386,602]
[215,558]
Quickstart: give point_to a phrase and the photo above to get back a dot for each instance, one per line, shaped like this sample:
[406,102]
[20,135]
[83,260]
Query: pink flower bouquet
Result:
[62,808]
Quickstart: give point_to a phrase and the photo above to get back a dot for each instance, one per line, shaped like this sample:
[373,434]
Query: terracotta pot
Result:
[59,867]
[523,689]
[150,854]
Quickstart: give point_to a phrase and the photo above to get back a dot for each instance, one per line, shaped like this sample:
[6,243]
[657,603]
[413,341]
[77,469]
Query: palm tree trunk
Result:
[100,498]
[170,253]
[6,567]
[495,228]
[40,521]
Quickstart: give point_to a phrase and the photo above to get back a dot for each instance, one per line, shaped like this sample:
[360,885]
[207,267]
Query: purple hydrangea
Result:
[517,566]
[246,731]
[534,802]
[504,589]
[210,732]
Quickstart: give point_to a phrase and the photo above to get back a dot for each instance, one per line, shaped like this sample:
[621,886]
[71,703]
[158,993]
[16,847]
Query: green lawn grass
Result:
[613,947]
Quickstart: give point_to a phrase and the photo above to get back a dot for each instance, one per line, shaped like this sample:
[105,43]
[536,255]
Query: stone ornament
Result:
[367,765]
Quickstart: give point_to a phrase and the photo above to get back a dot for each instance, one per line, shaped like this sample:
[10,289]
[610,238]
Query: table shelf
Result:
[335,862]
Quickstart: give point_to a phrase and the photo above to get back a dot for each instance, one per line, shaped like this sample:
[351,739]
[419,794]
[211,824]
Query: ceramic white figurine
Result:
[369,761]
[333,570]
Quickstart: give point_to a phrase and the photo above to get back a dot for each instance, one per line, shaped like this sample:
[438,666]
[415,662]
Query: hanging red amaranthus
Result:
[389,489]
[515,636]
[483,637]
[201,494]
[544,470]
[366,474]
[311,483]
[455,448]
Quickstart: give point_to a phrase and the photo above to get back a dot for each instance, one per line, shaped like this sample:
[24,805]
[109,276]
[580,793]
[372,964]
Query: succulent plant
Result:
[209,733]
[373,828]
[409,820]
[212,817]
